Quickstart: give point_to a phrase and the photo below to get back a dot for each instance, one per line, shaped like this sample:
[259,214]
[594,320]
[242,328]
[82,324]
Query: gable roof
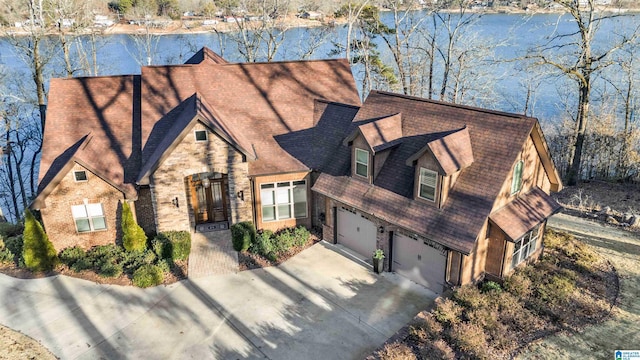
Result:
[108,109]
[190,111]
[380,134]
[452,151]
[135,119]
[524,213]
[496,139]
[261,101]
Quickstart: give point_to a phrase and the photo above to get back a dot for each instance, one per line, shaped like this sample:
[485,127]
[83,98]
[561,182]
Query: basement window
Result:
[80,176]
[201,135]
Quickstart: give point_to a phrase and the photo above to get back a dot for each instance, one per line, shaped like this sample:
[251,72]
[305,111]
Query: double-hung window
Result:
[89,217]
[428,183]
[284,200]
[516,182]
[362,162]
[525,246]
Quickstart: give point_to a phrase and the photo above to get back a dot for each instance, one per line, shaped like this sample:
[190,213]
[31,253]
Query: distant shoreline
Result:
[194,26]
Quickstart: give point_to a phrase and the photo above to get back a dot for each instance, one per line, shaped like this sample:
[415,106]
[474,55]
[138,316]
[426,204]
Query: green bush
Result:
[242,235]
[38,252]
[14,244]
[71,255]
[8,230]
[132,261]
[180,242]
[148,275]
[133,237]
[110,270]
[82,264]
[6,256]
[491,286]
[264,245]
[164,265]
[161,246]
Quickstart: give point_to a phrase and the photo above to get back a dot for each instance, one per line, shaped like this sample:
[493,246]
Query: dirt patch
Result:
[17,346]
[615,204]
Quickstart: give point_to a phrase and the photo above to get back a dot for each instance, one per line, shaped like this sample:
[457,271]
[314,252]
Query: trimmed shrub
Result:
[518,284]
[38,252]
[71,255]
[161,246]
[242,235]
[164,265]
[148,275]
[131,261]
[133,237]
[110,270]
[396,351]
[180,244]
[82,264]
[263,245]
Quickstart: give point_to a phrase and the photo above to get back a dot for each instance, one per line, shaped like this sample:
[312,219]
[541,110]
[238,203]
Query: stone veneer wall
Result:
[169,181]
[58,221]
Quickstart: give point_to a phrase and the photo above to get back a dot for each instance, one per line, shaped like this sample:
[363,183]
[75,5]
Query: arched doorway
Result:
[209,197]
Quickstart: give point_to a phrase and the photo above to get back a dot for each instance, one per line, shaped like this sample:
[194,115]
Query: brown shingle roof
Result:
[261,100]
[106,108]
[496,139]
[452,151]
[524,213]
[380,134]
[258,107]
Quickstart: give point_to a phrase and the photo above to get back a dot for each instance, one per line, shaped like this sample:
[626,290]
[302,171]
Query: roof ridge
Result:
[460,106]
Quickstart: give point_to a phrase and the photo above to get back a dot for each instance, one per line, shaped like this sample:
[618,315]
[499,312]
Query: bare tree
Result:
[573,55]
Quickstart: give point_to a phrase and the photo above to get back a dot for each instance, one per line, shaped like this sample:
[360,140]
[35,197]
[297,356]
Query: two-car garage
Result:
[413,257]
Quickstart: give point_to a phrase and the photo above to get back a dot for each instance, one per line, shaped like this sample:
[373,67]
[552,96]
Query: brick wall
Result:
[190,157]
[58,221]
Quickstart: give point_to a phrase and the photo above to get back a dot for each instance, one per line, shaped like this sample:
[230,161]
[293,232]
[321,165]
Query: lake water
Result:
[509,35]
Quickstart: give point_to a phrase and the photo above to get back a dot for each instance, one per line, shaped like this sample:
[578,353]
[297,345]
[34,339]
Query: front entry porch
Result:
[210,201]
[212,254]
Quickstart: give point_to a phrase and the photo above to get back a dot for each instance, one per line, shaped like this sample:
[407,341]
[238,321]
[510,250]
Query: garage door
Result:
[419,260]
[356,232]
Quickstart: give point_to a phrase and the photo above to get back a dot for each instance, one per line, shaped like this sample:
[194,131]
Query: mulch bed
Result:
[250,261]
[178,273]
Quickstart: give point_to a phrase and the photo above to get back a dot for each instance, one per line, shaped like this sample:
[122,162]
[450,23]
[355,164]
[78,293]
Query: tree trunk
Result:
[575,154]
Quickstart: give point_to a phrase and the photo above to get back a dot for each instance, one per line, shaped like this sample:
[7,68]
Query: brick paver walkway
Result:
[212,254]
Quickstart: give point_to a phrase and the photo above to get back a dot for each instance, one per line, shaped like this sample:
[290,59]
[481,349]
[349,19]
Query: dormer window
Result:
[516,182]
[80,176]
[428,183]
[201,135]
[362,163]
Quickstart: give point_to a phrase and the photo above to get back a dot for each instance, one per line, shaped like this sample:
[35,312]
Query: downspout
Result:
[253,201]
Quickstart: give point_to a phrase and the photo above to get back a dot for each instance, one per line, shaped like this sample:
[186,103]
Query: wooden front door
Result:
[209,203]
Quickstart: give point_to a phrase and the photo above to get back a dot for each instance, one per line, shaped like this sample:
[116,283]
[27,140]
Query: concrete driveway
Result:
[319,304]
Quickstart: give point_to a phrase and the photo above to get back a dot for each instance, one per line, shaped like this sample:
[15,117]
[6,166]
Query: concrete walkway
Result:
[317,305]
[212,254]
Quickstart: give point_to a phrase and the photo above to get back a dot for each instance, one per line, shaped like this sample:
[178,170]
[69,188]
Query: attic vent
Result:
[80,176]
[201,135]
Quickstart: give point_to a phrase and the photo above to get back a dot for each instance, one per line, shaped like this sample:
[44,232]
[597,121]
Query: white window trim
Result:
[289,188]
[89,218]
[206,135]
[517,180]
[420,183]
[75,178]
[358,162]
[525,250]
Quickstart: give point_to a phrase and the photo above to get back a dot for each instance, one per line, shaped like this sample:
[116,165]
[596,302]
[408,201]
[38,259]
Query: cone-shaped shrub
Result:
[38,252]
[133,237]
